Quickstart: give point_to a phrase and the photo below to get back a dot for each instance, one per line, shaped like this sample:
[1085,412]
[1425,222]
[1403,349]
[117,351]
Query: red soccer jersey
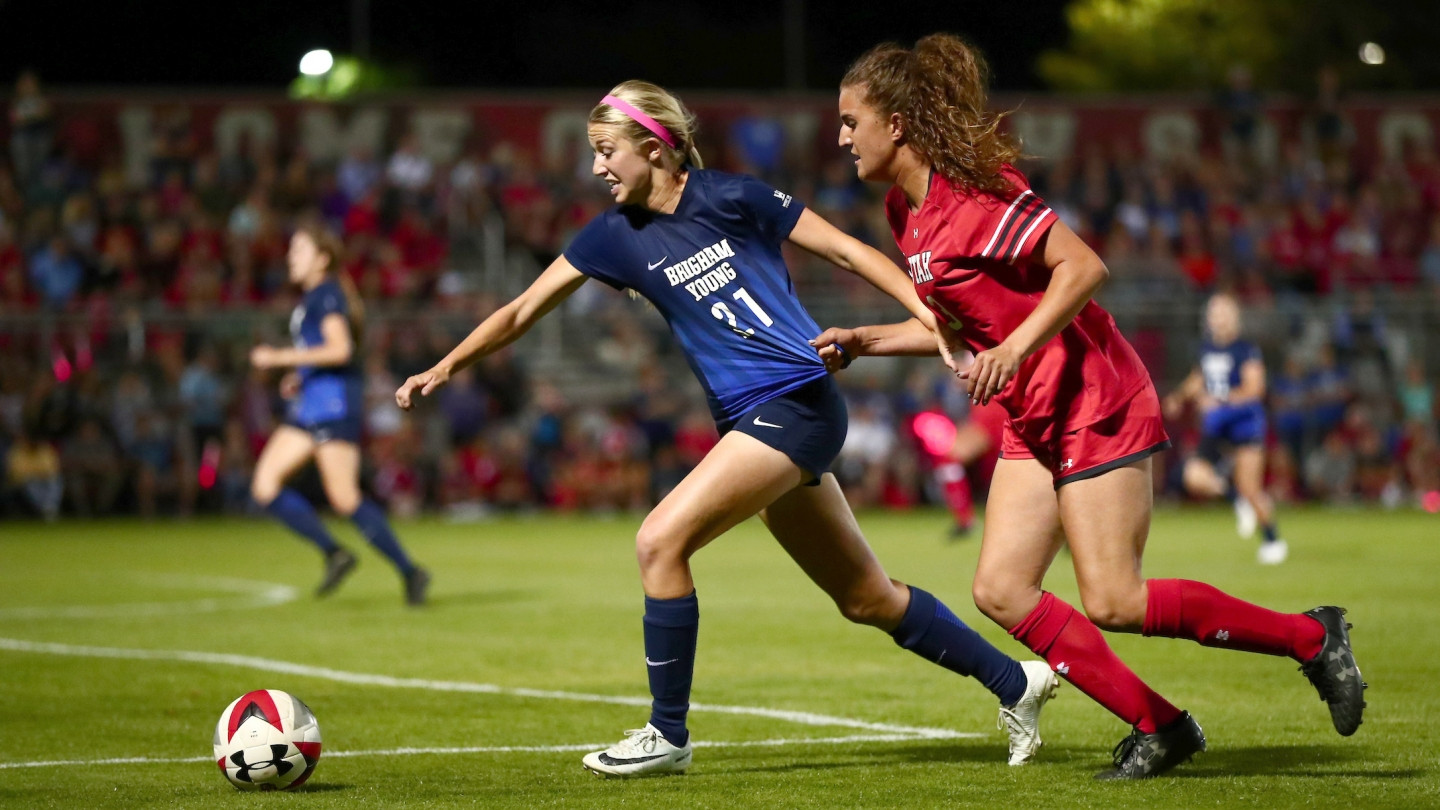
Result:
[974,263]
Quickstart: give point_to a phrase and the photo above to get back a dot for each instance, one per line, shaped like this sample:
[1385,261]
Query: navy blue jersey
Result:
[714,271]
[1220,366]
[327,393]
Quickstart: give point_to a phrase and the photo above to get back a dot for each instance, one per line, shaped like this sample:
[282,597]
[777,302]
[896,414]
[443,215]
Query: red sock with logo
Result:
[1181,608]
[1075,649]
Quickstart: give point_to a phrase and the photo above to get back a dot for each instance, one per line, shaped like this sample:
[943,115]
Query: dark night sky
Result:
[683,44]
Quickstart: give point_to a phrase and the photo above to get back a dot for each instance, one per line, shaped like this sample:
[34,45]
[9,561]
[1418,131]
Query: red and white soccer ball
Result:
[267,740]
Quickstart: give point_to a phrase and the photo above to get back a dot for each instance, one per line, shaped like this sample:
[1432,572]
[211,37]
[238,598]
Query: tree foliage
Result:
[1167,45]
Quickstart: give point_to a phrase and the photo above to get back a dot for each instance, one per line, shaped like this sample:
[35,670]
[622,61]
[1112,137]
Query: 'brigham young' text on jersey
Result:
[714,271]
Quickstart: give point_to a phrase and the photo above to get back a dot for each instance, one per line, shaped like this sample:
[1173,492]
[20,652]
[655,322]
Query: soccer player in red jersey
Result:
[994,263]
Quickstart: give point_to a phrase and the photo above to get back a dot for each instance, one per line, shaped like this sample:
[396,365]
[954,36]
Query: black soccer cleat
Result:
[1334,672]
[338,565]
[1145,756]
[417,585]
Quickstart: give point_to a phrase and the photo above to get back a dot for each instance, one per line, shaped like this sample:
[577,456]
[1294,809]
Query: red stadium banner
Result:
[550,128]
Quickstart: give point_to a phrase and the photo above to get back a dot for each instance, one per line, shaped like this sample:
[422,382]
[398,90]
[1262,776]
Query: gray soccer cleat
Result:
[1334,672]
[1145,756]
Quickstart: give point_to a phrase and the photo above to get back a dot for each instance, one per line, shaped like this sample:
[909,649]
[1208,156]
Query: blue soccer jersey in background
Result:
[327,393]
[1220,367]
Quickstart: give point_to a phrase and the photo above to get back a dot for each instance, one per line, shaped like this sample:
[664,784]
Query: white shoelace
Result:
[637,741]
[1010,722]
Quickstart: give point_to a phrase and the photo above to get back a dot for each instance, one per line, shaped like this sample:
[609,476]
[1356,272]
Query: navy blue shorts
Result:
[339,430]
[807,424]
[1231,426]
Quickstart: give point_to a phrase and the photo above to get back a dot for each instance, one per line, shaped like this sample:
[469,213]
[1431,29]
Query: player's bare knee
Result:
[263,492]
[345,504]
[867,606]
[1113,612]
[656,546]
[996,600]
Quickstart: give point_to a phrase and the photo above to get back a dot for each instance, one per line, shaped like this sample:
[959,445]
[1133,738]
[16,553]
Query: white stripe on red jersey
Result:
[1009,212]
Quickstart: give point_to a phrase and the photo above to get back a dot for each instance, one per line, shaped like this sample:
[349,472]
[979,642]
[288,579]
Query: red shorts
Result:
[1124,437]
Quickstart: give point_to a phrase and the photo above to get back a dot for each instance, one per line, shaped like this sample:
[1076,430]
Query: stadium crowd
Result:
[127,310]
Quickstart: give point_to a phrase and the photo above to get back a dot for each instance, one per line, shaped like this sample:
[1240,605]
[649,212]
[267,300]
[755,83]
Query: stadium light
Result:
[1372,54]
[317,62]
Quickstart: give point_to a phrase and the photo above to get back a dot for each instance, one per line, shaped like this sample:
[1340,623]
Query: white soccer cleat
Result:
[1246,521]
[1273,552]
[643,752]
[1022,721]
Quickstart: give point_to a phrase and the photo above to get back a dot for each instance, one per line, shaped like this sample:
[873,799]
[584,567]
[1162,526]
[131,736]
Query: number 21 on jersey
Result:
[722,312]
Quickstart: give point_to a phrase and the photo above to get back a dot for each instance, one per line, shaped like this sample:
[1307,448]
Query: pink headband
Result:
[642,119]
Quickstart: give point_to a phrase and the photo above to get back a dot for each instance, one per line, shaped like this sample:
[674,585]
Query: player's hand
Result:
[290,385]
[264,357]
[953,351]
[992,370]
[1170,407]
[424,383]
[837,347]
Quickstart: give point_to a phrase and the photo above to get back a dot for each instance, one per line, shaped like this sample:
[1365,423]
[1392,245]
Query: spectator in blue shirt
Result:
[56,273]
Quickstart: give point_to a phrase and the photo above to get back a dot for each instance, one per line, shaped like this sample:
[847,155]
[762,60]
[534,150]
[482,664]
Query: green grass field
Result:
[542,606]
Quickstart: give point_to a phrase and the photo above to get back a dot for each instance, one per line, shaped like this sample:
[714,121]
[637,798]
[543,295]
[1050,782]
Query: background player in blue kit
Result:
[704,248]
[1228,386]
[325,390]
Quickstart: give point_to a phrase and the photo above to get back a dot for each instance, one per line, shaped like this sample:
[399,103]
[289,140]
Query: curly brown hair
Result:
[938,88]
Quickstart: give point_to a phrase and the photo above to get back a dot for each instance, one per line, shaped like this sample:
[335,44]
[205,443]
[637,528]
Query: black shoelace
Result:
[1125,747]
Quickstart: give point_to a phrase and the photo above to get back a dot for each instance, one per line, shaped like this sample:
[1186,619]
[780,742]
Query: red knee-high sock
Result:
[957,492]
[1074,648]
[1181,608]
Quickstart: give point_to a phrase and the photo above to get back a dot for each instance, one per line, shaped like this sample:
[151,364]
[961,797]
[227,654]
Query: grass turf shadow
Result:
[1315,761]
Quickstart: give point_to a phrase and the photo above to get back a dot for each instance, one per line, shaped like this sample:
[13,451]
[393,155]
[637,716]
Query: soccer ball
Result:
[267,740]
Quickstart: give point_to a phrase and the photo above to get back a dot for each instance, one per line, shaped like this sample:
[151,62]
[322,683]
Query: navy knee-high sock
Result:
[671,626]
[932,632]
[370,520]
[291,508]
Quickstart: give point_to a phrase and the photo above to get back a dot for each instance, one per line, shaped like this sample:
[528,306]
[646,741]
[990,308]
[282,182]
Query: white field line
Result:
[251,594]
[366,679]
[477,749]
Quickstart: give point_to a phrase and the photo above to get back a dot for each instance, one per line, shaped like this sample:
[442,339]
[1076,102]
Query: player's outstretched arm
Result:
[501,329]
[816,235]
[838,346]
[335,349]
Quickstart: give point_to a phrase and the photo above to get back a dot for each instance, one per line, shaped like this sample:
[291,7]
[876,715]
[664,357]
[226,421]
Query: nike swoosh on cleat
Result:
[609,760]
[648,662]
[649,266]
[762,423]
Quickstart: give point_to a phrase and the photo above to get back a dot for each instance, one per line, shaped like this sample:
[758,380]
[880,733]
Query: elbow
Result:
[1099,274]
